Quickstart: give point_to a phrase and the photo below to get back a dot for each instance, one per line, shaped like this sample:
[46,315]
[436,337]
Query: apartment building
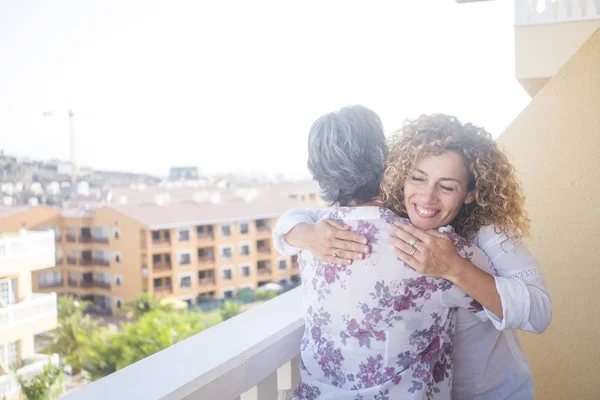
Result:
[207,245]
[23,314]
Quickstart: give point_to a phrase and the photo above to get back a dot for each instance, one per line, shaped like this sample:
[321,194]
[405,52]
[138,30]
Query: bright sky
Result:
[234,85]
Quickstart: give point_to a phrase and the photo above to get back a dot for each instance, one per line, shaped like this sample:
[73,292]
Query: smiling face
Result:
[436,189]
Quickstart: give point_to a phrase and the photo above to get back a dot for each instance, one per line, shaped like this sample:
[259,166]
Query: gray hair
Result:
[346,155]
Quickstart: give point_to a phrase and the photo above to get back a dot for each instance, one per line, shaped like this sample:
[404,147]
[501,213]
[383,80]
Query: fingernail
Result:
[348,262]
[364,241]
[361,256]
[366,249]
[390,226]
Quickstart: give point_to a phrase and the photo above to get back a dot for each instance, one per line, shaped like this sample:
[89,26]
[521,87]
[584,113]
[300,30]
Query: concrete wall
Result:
[555,143]
[541,50]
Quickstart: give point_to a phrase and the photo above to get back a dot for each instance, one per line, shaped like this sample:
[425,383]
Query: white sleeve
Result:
[290,219]
[525,300]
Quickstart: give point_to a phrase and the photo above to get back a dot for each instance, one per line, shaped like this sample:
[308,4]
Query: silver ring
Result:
[335,254]
[414,251]
[412,241]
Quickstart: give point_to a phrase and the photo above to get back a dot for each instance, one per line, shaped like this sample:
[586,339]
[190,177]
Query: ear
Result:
[470,198]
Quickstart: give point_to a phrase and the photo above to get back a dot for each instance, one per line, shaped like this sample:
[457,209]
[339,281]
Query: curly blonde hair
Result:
[498,196]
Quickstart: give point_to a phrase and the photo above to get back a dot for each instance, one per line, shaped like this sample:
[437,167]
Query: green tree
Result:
[264,295]
[146,303]
[230,309]
[73,330]
[108,350]
[47,385]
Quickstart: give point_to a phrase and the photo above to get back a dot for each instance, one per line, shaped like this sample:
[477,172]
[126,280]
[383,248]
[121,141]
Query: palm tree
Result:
[146,303]
[47,385]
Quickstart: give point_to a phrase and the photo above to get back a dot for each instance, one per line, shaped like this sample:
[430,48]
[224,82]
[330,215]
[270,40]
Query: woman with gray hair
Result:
[379,330]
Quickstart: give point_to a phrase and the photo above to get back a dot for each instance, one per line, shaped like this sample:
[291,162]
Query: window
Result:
[183,235]
[73,276]
[185,258]
[227,274]
[116,233]
[157,283]
[117,257]
[155,258]
[185,281]
[244,249]
[204,230]
[228,294]
[56,233]
[155,236]
[118,280]
[226,251]
[9,354]
[282,264]
[58,256]
[244,228]
[118,302]
[225,230]
[245,270]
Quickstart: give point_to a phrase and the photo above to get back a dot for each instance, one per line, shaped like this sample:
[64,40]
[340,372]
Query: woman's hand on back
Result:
[429,252]
[329,241]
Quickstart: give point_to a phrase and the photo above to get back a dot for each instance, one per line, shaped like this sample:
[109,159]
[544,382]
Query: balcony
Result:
[547,36]
[163,291]
[102,262]
[86,284]
[34,315]
[159,268]
[30,251]
[264,272]
[206,238]
[204,283]
[102,285]
[73,282]
[158,245]
[206,261]
[263,231]
[8,383]
[48,285]
[100,239]
[86,261]
[260,364]
[85,239]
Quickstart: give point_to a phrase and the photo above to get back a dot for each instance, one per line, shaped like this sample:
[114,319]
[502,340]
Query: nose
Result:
[428,194]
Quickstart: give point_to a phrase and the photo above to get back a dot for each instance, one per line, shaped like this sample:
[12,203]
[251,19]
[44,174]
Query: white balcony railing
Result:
[254,355]
[8,382]
[26,245]
[36,306]
[535,12]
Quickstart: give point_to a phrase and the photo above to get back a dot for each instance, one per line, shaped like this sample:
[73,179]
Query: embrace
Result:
[415,280]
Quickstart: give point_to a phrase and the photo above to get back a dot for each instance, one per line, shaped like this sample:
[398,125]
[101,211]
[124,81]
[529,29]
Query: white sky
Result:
[233,85]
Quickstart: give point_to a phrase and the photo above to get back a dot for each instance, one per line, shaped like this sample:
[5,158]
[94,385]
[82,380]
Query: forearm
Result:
[478,284]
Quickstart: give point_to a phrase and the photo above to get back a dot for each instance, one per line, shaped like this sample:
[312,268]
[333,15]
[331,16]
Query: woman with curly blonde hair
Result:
[442,172]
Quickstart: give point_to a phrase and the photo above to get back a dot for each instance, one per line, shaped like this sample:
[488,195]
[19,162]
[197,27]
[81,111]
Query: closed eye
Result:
[417,179]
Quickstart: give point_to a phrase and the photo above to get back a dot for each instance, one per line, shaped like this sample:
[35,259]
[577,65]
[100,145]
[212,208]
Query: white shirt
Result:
[488,361]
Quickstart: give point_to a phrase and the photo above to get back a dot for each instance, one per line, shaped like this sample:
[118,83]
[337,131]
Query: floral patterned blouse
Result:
[378,329]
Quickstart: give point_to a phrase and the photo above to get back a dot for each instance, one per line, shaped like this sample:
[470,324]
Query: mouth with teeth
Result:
[425,212]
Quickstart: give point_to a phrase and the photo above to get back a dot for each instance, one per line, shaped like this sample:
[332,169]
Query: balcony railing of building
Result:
[72,260]
[161,243]
[536,12]
[71,237]
[204,282]
[163,290]
[264,271]
[73,282]
[86,261]
[161,267]
[85,238]
[206,260]
[103,262]
[51,284]
[38,305]
[260,364]
[102,284]
[86,284]
[8,382]
[26,245]
[100,239]
[206,237]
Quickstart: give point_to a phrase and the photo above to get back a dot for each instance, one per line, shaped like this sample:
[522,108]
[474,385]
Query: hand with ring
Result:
[429,252]
[329,241]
